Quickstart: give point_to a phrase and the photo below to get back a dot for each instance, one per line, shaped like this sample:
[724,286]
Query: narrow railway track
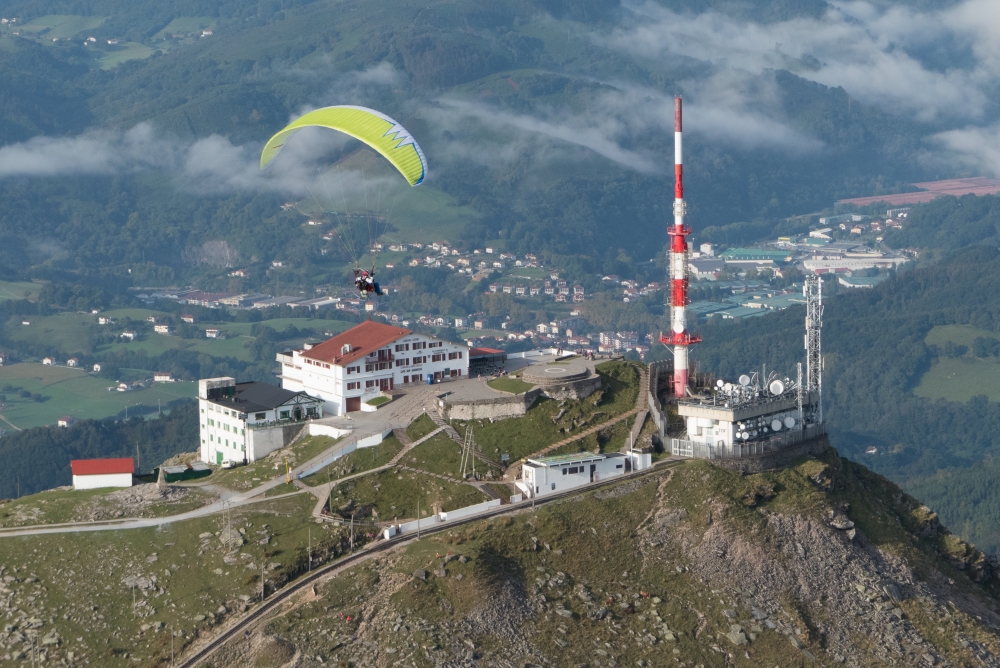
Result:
[282,595]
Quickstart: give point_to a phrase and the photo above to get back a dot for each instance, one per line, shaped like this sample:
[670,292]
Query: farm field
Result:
[72,392]
[960,335]
[122,53]
[62,26]
[70,332]
[185,25]
[960,379]
[19,290]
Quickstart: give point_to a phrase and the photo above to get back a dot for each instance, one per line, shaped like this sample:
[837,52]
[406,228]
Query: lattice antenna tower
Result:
[813,292]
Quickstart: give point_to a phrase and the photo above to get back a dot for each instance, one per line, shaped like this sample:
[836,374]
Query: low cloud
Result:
[884,57]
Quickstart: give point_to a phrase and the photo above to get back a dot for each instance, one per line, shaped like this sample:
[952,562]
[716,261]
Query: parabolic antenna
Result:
[776,425]
[720,383]
[789,422]
[776,387]
[728,387]
[744,380]
[753,433]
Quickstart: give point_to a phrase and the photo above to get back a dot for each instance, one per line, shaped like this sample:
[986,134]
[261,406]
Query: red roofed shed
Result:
[96,473]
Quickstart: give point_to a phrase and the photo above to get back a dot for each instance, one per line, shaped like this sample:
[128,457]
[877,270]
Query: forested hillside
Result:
[38,459]
[507,98]
[875,355]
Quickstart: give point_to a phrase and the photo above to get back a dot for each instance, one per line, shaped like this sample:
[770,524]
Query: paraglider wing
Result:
[375,129]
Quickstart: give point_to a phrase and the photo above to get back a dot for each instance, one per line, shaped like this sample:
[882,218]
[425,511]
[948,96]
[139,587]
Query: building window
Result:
[285,415]
[354,386]
[370,383]
[311,411]
[260,416]
[399,347]
[350,369]
[553,487]
[565,471]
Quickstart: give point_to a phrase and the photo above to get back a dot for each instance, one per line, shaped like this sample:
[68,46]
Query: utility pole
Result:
[329,491]
[310,549]
[172,632]
[418,520]
[262,578]
[138,464]
[352,532]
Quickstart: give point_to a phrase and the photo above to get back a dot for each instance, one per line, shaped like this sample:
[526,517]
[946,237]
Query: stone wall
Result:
[774,460]
[498,408]
[573,389]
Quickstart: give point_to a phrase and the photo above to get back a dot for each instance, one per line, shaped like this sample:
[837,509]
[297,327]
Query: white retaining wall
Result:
[434,520]
[366,442]
[316,429]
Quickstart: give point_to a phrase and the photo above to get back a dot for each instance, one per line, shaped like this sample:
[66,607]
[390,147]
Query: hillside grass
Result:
[362,459]
[420,427]
[395,493]
[194,578]
[439,454]
[57,506]
[73,392]
[243,478]
[523,436]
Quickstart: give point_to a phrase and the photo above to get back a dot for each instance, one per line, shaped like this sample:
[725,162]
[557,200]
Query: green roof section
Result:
[862,281]
[753,254]
[558,460]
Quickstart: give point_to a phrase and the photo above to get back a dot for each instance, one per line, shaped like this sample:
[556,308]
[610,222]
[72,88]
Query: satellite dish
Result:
[720,383]
[728,387]
[776,425]
[776,387]
[744,380]
[789,422]
[753,433]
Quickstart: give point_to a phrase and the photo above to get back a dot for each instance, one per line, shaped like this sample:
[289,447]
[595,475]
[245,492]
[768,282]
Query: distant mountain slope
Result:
[530,116]
[875,354]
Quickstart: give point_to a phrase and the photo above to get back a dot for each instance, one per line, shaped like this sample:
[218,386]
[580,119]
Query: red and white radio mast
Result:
[679,338]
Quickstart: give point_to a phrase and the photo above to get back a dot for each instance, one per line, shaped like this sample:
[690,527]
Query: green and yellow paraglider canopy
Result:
[372,127]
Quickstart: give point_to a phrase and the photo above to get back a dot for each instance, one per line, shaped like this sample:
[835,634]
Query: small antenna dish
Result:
[776,425]
[720,383]
[728,387]
[776,387]
[744,380]
[789,422]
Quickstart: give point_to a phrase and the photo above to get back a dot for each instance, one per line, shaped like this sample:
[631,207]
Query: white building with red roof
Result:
[99,473]
[369,359]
